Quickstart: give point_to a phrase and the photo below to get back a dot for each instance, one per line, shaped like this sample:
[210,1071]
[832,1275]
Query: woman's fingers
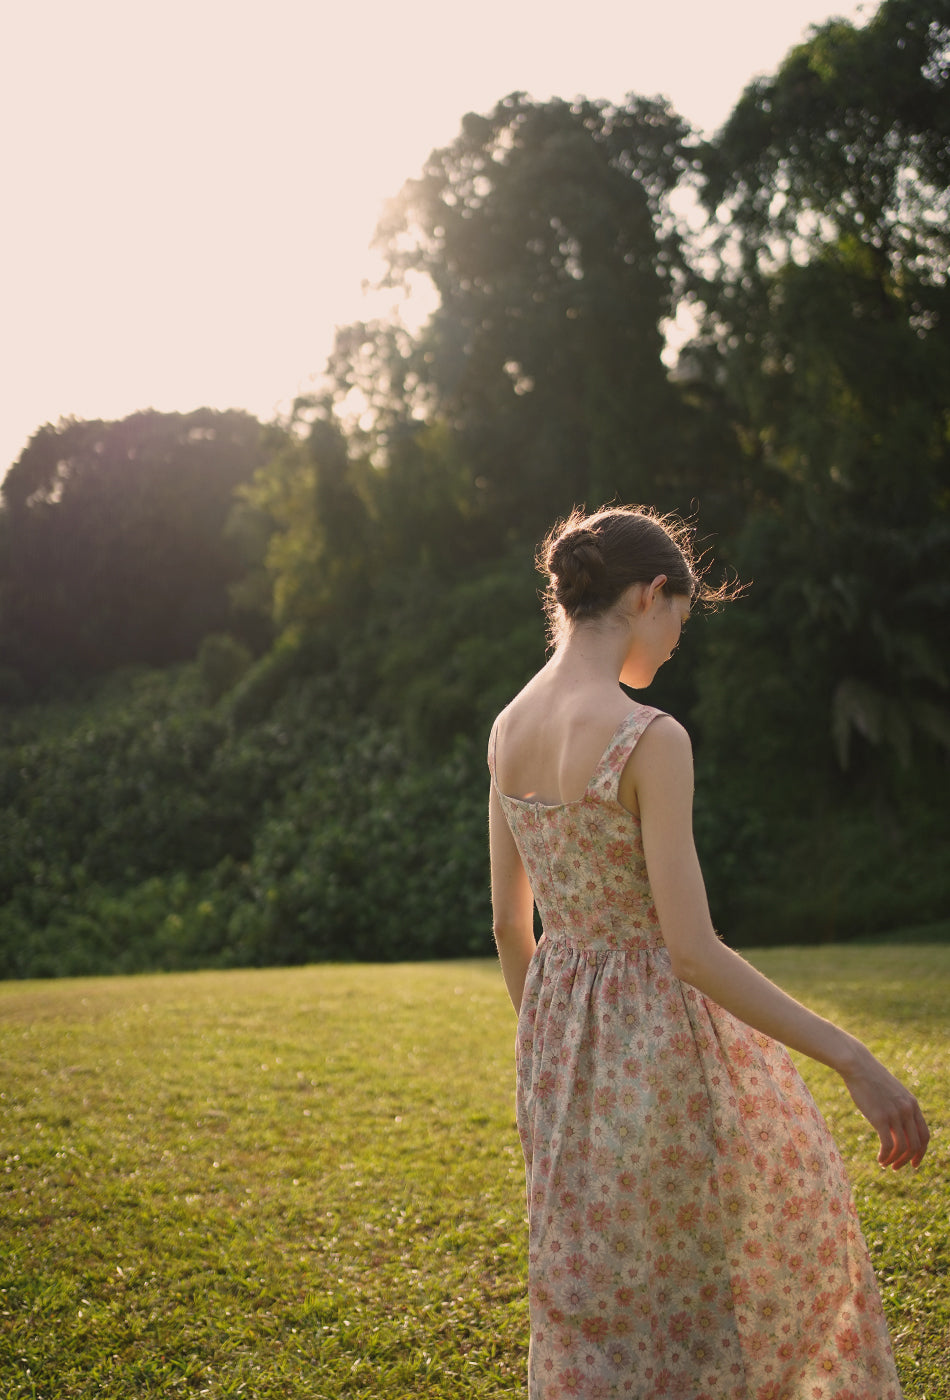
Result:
[904,1140]
[893,1112]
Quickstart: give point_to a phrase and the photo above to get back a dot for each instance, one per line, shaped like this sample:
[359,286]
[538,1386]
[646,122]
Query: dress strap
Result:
[492,742]
[606,780]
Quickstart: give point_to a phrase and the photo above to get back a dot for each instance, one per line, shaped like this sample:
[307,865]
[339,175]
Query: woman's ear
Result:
[652,590]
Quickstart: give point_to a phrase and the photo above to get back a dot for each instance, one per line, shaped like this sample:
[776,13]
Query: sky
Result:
[190,188]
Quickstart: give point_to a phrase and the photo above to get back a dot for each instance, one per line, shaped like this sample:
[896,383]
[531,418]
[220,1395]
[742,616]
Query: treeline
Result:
[248,671]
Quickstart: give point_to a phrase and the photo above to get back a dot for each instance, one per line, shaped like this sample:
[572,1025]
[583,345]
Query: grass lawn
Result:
[307,1184]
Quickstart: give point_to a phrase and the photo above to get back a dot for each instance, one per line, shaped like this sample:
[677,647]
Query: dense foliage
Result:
[112,543]
[348,596]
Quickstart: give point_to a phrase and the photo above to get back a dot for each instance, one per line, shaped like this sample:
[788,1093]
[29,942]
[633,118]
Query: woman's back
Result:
[584,855]
[551,737]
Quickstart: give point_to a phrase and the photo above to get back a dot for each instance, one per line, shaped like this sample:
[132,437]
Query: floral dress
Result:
[691,1228]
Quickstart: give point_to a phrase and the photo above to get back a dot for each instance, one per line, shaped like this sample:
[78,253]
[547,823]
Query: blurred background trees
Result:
[112,544]
[342,601]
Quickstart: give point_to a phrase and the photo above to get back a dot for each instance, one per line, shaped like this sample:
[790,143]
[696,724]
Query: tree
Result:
[546,232]
[848,143]
[111,540]
[828,331]
[832,329]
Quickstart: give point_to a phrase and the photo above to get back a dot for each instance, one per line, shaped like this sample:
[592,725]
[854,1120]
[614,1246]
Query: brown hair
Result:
[590,560]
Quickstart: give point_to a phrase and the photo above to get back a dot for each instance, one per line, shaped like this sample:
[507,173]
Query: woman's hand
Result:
[891,1110]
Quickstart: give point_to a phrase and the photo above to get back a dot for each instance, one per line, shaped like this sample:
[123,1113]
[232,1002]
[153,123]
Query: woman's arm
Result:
[658,779]
[512,902]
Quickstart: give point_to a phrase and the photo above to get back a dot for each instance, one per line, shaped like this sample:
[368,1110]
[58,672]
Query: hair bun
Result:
[577,567]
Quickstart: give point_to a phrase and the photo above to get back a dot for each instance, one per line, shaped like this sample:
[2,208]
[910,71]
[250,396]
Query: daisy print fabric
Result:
[691,1228]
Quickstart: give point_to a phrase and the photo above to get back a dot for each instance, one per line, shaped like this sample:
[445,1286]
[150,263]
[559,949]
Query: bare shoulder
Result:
[664,736]
[661,760]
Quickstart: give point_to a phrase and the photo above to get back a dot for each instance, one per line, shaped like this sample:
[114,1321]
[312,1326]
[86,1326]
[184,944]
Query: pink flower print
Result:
[674,1156]
[618,1357]
[571,1381]
[827,1252]
[679,1327]
[848,1342]
[612,989]
[749,1106]
[618,852]
[687,1217]
[780,1180]
[662,1231]
[598,1217]
[697,1106]
[756,1345]
[628,1099]
[729,1175]
[546,1084]
[594,1329]
[768,1310]
[605,1100]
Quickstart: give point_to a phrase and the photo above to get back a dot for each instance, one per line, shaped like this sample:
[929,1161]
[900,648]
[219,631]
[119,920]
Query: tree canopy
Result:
[112,548]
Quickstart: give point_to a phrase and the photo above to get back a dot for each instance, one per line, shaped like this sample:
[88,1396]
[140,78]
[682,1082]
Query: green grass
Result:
[308,1183]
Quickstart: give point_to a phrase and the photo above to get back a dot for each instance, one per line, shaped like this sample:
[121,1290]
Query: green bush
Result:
[222,661]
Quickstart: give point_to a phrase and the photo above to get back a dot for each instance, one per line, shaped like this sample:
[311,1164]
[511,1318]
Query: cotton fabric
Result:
[691,1229]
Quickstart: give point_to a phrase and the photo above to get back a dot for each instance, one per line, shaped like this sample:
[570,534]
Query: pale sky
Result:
[190,187]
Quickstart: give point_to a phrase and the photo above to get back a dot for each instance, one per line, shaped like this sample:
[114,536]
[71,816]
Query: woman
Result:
[691,1229]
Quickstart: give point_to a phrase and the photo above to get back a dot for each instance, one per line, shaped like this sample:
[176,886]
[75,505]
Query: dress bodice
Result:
[585,859]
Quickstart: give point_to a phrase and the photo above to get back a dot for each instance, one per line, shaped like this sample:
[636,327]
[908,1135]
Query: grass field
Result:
[308,1184]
